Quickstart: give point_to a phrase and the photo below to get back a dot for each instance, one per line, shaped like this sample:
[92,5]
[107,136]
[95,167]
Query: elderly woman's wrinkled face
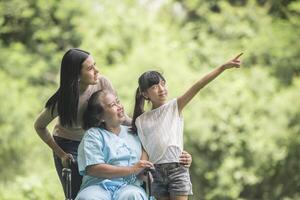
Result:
[113,109]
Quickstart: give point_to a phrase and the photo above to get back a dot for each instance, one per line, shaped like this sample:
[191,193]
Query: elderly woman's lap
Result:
[96,192]
[130,192]
[93,192]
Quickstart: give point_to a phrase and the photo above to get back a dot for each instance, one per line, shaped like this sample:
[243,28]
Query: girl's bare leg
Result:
[180,198]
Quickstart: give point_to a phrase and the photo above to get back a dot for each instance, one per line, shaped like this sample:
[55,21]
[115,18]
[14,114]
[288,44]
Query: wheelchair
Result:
[66,174]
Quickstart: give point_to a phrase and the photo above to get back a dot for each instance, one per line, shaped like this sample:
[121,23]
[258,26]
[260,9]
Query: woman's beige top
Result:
[74,132]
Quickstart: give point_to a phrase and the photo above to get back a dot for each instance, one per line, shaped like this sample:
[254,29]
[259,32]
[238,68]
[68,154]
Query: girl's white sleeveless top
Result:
[161,133]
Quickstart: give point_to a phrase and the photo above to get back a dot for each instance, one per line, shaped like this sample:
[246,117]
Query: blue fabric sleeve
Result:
[90,150]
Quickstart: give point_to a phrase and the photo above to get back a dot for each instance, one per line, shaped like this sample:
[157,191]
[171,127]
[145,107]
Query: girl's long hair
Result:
[146,80]
[67,96]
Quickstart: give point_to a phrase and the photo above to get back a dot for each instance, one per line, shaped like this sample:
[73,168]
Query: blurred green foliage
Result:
[242,130]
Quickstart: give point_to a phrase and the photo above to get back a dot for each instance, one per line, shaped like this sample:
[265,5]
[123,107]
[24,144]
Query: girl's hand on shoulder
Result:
[235,62]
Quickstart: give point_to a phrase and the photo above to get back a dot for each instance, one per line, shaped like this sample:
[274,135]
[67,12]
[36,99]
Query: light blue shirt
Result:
[100,146]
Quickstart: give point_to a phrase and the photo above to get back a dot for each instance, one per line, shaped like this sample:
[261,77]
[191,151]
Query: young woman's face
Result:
[89,73]
[157,93]
[113,109]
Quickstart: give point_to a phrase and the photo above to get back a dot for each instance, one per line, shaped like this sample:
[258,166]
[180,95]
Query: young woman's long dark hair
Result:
[67,96]
[146,80]
[94,111]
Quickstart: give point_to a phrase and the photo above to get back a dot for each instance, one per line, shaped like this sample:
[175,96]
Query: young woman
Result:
[79,79]
[161,130]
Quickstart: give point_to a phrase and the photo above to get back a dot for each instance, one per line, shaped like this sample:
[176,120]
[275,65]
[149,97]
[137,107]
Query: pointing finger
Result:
[238,56]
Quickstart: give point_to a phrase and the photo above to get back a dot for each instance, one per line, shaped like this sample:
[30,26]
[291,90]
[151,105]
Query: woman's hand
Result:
[235,62]
[66,159]
[140,165]
[185,159]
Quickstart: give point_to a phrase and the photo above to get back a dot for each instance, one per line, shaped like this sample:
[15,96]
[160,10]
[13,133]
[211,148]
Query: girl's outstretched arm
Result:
[183,100]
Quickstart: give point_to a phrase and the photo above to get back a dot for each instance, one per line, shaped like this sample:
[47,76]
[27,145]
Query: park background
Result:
[242,129]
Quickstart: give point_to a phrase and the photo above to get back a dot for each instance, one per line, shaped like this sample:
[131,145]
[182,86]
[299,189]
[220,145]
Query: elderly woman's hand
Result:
[140,165]
[185,159]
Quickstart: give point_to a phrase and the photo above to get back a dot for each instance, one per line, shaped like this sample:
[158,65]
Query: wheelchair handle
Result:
[147,172]
[67,176]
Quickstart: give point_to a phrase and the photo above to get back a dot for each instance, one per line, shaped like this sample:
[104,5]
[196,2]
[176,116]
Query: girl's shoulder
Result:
[156,113]
[166,105]
[172,101]
[160,108]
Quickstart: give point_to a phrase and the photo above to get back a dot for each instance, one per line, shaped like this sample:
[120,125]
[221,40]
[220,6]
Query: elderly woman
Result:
[109,154]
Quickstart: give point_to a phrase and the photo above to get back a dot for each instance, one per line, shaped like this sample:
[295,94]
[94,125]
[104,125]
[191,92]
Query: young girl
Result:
[161,130]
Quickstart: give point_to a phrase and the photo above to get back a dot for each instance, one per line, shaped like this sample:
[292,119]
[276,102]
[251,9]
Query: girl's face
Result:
[113,110]
[157,94]
[89,73]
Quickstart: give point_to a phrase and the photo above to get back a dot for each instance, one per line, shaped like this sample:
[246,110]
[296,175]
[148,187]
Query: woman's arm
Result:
[183,100]
[40,125]
[111,171]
